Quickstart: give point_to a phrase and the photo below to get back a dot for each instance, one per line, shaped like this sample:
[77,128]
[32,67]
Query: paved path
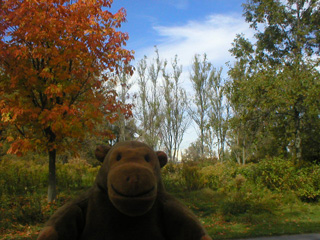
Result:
[313,236]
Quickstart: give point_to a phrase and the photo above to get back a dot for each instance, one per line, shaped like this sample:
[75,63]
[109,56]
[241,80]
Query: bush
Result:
[24,209]
[27,209]
[191,176]
[20,177]
[281,175]
[307,183]
[275,174]
[218,176]
[75,174]
[248,171]
[171,177]
[23,189]
[249,199]
[171,168]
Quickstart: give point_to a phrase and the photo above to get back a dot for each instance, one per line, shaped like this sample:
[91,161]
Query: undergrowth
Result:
[269,198]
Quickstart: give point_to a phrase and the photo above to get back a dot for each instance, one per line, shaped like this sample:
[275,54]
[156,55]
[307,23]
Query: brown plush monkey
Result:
[127,202]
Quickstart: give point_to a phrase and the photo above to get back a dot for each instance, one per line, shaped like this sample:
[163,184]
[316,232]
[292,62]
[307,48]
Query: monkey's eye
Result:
[118,158]
[147,158]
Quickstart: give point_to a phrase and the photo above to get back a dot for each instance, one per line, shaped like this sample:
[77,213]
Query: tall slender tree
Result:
[123,79]
[201,80]
[176,120]
[149,112]
[219,113]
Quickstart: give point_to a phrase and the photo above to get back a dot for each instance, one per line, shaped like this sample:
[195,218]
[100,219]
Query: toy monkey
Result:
[127,202]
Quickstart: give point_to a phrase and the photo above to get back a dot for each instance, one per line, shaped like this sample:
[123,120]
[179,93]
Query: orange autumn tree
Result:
[55,59]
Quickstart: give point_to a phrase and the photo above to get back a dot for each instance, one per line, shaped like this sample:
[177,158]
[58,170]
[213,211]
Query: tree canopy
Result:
[55,58]
[275,84]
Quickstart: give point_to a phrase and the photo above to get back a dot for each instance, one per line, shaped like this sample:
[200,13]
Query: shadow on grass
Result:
[295,218]
[270,227]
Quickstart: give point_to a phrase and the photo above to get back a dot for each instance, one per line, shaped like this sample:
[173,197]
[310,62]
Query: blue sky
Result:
[185,28]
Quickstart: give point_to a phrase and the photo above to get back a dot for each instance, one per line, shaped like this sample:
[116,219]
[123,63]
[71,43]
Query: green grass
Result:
[295,218]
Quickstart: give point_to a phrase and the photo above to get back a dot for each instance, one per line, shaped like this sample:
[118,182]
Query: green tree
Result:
[201,80]
[243,124]
[219,114]
[278,75]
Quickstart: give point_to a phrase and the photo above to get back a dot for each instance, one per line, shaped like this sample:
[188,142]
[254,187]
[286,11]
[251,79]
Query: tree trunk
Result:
[297,144]
[122,126]
[297,140]
[52,176]
[244,153]
[202,140]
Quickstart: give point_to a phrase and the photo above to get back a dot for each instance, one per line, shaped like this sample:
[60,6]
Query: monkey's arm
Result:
[180,222]
[65,224]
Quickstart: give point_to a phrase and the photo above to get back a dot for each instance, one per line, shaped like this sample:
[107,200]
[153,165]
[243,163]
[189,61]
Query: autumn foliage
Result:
[55,58]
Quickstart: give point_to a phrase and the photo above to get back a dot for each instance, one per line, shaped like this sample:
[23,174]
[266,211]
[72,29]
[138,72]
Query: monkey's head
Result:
[130,174]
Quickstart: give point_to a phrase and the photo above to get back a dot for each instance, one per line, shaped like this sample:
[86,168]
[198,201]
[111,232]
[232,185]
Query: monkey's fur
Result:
[127,202]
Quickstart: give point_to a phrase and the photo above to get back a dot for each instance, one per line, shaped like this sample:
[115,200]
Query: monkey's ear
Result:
[163,158]
[101,152]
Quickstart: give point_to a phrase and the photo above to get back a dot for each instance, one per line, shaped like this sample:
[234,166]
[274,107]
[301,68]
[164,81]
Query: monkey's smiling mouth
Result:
[142,194]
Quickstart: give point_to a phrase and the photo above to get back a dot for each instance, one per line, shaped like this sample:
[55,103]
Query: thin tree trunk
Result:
[297,144]
[244,153]
[202,140]
[122,136]
[52,176]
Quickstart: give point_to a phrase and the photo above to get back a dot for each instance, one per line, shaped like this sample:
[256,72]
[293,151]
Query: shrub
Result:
[171,168]
[77,173]
[307,184]
[171,177]
[275,174]
[19,177]
[248,171]
[191,176]
[23,189]
[27,209]
[20,209]
[218,176]
[249,199]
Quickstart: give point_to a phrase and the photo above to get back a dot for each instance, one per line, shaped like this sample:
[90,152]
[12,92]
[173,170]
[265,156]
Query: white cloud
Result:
[212,36]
